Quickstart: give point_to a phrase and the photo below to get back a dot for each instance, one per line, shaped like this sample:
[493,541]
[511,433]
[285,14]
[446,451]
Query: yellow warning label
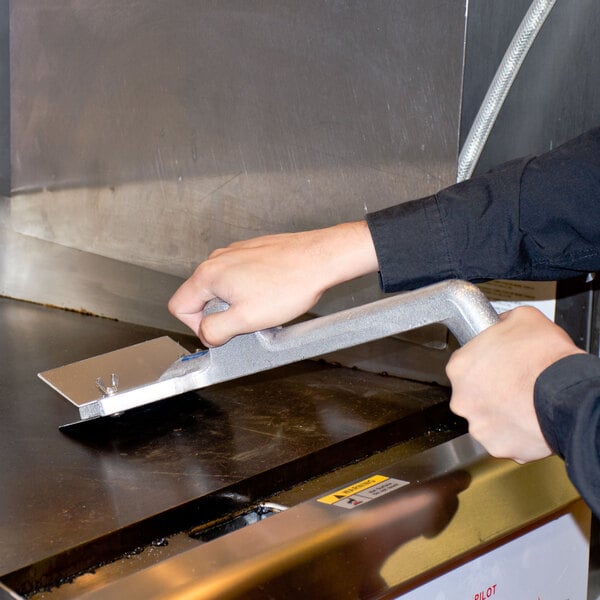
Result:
[352,489]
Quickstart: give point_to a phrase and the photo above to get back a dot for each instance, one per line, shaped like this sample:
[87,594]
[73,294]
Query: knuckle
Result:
[209,334]
[216,253]
[456,405]
[202,270]
[455,366]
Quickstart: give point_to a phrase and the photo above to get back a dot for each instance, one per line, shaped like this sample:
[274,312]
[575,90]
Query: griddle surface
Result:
[59,492]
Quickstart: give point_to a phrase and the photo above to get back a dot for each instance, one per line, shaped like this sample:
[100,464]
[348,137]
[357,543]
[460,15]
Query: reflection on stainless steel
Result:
[48,273]
[319,550]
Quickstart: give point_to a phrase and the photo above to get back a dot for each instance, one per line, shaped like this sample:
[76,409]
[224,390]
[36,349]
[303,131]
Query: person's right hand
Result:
[493,379]
[270,280]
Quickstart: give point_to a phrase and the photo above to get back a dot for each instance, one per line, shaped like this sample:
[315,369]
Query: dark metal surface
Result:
[193,455]
[298,553]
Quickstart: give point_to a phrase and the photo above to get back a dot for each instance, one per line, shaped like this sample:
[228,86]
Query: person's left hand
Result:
[493,378]
[271,279]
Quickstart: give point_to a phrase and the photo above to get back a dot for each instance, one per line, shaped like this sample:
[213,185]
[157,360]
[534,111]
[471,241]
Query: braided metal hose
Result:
[498,90]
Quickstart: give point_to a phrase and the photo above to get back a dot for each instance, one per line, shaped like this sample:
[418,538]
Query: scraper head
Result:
[93,379]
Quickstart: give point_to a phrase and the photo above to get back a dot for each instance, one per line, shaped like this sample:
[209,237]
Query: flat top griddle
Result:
[229,443]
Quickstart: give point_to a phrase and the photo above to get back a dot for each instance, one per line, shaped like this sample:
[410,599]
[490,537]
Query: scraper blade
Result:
[92,379]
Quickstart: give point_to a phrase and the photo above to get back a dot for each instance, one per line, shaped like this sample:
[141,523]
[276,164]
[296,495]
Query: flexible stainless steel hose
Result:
[505,75]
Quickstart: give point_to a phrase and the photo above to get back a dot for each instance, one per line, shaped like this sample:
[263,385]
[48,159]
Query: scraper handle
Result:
[459,305]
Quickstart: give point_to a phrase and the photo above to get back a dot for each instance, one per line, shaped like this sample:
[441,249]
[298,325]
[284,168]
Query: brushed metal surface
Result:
[51,274]
[181,126]
[4,100]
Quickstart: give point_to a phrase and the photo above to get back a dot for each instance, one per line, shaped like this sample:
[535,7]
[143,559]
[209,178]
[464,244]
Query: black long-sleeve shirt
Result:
[535,218]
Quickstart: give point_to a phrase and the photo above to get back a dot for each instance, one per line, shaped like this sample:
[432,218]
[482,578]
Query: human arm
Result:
[523,394]
[536,218]
[533,218]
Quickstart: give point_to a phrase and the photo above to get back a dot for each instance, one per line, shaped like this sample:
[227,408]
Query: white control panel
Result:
[548,563]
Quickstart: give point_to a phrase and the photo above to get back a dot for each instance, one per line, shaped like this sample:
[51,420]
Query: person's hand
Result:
[270,280]
[493,378]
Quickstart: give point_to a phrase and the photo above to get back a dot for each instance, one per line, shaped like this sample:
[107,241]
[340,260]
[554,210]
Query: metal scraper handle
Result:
[459,305]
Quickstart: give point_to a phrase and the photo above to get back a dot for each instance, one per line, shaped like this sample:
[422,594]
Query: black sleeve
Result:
[567,403]
[532,218]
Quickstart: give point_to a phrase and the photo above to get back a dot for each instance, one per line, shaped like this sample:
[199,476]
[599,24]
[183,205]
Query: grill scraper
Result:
[117,381]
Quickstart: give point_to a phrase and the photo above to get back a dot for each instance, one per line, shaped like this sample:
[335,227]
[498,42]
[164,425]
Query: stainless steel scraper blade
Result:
[91,379]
